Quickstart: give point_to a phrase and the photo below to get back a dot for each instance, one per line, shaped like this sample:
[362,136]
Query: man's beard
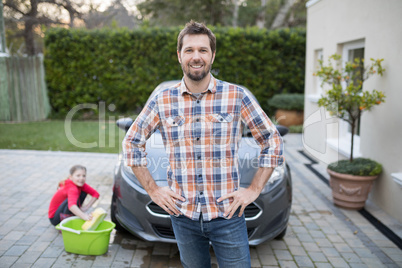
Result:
[196,76]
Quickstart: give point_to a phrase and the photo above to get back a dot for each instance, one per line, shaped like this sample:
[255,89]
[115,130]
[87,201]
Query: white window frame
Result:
[342,144]
[318,55]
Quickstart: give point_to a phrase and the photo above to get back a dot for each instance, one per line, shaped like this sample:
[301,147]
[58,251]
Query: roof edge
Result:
[311,2]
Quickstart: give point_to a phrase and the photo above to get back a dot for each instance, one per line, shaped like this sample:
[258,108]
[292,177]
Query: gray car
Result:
[133,210]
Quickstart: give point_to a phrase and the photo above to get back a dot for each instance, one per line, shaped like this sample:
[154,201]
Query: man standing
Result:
[200,120]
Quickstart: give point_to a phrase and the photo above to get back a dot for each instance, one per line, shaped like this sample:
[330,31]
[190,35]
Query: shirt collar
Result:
[211,87]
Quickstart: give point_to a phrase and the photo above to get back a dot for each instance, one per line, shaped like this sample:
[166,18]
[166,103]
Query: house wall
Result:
[331,24]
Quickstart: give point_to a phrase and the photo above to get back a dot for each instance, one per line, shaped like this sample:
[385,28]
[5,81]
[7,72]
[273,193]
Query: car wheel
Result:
[282,234]
[113,215]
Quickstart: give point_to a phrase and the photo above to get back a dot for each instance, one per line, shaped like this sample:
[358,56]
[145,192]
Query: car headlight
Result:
[276,178]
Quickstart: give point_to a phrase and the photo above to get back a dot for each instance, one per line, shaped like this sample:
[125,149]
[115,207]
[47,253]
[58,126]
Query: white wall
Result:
[330,24]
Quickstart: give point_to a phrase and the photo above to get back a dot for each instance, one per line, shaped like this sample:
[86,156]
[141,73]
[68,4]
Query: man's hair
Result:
[194,27]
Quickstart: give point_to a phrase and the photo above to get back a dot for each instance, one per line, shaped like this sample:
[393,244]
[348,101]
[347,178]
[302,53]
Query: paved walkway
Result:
[319,234]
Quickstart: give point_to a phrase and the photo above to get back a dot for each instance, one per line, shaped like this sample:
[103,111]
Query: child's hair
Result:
[77,167]
[72,170]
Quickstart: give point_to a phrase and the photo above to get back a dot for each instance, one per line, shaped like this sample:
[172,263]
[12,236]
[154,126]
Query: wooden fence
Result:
[23,92]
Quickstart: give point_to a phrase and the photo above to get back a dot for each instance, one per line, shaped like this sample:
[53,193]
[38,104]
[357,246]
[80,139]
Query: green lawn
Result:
[81,136]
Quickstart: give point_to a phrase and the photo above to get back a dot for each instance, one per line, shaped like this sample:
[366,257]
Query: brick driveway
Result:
[319,234]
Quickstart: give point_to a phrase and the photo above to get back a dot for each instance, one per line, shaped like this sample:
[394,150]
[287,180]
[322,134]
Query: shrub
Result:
[296,129]
[359,166]
[287,102]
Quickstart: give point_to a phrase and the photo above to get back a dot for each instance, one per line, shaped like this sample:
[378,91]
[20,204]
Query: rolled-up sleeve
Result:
[136,137]
[264,132]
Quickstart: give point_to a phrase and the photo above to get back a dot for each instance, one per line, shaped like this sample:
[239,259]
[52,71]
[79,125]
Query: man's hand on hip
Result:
[166,198]
[245,196]
[241,198]
[162,196]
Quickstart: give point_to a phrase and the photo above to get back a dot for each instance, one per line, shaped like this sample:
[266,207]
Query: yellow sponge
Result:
[98,215]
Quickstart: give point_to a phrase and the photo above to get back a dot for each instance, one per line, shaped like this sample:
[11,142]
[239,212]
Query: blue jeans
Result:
[228,238]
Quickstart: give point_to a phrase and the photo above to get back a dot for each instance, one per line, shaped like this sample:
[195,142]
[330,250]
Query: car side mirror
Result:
[124,123]
[282,130]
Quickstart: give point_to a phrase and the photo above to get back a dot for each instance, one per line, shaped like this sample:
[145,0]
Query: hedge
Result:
[294,101]
[122,67]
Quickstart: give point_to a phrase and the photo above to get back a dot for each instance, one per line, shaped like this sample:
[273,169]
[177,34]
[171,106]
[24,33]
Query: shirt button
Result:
[198,120]
[199,157]
[198,101]
[198,138]
[200,176]
[201,193]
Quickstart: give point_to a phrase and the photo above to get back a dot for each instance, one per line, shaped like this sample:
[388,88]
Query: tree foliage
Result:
[224,12]
[26,20]
[29,15]
[178,12]
[346,99]
[115,16]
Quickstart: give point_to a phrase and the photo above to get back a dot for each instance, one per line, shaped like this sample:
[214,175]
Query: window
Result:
[351,52]
[317,88]
[318,55]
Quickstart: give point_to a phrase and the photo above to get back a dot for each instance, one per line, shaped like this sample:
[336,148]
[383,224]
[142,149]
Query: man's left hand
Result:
[241,198]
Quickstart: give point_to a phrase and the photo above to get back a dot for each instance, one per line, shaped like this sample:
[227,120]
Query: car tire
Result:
[118,227]
[282,234]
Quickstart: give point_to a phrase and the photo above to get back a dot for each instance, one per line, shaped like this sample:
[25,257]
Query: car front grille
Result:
[251,210]
[156,209]
[163,231]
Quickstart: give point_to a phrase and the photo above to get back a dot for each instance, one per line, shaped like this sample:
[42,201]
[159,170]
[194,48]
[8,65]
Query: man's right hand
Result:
[166,199]
[162,196]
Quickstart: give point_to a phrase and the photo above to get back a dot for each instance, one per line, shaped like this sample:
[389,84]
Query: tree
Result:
[2,31]
[30,14]
[235,13]
[178,12]
[116,15]
[346,99]
[260,22]
[282,14]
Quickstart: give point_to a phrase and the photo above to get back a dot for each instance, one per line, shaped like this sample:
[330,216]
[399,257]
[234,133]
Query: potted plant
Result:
[350,180]
[289,108]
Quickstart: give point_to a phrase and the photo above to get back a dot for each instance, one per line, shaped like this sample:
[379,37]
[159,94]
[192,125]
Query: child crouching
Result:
[70,196]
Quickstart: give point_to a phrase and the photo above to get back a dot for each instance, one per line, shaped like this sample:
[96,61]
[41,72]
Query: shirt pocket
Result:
[221,132]
[221,118]
[175,127]
[175,121]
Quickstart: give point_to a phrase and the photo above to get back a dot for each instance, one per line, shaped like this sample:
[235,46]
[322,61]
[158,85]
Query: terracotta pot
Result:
[289,117]
[349,191]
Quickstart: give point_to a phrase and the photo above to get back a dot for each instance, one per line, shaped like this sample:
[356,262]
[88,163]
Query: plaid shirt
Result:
[201,137]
